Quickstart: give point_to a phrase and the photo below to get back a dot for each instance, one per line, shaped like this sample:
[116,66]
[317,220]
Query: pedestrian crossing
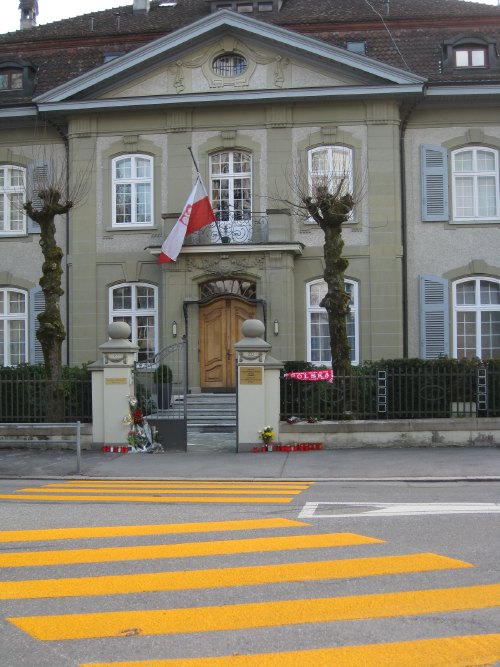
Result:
[142,491]
[284,553]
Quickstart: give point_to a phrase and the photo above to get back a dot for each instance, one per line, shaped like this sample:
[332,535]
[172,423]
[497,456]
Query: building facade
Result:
[268,97]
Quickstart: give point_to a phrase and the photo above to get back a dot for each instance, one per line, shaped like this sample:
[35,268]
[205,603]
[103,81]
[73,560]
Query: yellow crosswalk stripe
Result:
[160,490]
[180,484]
[256,615]
[155,491]
[148,499]
[133,531]
[460,651]
[185,550]
[226,577]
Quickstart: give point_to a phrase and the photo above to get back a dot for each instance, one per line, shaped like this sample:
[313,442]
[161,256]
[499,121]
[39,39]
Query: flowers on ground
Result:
[266,434]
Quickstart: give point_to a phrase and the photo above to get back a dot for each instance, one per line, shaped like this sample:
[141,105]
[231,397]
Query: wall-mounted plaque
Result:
[250,375]
[116,380]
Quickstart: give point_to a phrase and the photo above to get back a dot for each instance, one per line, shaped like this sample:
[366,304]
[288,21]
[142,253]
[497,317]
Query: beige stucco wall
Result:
[445,249]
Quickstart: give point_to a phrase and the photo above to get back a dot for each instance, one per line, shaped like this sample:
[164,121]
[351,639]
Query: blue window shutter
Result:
[39,175]
[37,305]
[434,317]
[434,178]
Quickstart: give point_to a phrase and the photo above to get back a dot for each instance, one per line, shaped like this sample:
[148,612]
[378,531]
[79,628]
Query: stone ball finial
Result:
[119,330]
[253,329]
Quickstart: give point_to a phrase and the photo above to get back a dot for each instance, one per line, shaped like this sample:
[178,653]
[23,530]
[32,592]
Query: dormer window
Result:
[17,76]
[11,79]
[470,52]
[229,65]
[471,56]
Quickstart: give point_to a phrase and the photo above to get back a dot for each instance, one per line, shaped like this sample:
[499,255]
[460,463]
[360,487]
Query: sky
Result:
[53,10]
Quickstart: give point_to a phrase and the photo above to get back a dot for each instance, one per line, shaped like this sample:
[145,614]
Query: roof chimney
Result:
[141,6]
[29,12]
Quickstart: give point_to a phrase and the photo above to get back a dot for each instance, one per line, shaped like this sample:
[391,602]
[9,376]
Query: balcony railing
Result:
[232,228]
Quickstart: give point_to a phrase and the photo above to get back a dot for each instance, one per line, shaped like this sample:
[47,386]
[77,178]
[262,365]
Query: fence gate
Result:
[160,389]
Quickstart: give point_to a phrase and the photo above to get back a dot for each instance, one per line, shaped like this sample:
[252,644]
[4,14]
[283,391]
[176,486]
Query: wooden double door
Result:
[220,329]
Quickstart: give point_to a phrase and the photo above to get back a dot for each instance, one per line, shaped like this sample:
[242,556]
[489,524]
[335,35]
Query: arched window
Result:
[12,196]
[475,183]
[136,304]
[476,304]
[11,78]
[132,190]
[229,65]
[318,335]
[331,167]
[231,188]
[13,327]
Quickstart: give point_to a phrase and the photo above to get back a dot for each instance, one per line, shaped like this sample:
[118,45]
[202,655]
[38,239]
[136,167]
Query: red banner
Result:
[311,376]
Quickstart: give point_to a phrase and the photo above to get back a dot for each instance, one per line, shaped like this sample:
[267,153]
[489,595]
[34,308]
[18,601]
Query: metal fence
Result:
[22,397]
[396,393]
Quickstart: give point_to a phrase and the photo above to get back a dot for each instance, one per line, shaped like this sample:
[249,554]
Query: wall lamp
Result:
[276,327]
[174,329]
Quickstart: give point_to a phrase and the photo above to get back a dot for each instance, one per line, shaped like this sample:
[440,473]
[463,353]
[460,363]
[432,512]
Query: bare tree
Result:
[328,199]
[48,198]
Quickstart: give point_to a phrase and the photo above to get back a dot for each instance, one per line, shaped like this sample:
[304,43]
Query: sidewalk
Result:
[218,460]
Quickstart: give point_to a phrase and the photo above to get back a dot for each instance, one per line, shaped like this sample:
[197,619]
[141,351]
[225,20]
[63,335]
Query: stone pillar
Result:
[112,384]
[258,397]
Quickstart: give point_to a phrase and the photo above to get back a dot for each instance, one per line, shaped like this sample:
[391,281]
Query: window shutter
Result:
[434,178]
[39,175]
[37,305]
[434,317]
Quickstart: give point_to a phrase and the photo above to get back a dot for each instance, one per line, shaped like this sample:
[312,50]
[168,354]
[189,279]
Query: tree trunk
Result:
[51,332]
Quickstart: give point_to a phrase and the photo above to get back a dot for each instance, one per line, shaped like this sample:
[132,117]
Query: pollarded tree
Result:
[328,198]
[51,332]
[48,199]
[330,210]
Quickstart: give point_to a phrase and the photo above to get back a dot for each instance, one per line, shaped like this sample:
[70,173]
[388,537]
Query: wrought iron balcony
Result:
[233,228]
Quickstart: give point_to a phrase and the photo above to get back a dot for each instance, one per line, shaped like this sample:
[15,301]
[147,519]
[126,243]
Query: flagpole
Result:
[199,176]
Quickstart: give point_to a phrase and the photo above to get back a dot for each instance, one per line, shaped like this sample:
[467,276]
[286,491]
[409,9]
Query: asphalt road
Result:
[282,573]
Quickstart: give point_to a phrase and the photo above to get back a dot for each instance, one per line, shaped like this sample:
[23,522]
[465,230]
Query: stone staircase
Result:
[211,413]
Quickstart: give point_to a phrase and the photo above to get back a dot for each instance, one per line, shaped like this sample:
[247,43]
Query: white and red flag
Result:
[197,213]
[311,376]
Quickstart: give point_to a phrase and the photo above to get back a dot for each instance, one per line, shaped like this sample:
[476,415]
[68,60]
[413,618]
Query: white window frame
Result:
[354,315]
[477,309]
[474,175]
[134,312]
[133,181]
[6,317]
[339,163]
[236,218]
[6,207]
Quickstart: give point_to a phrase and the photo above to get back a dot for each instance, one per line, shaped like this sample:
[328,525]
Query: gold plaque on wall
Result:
[250,375]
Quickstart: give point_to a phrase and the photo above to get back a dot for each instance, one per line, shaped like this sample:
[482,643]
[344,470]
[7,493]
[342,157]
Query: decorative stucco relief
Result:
[225,265]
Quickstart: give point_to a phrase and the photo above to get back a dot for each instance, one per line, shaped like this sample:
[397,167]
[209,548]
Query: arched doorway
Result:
[225,304]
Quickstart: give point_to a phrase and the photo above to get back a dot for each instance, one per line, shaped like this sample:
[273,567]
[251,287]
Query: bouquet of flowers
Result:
[266,434]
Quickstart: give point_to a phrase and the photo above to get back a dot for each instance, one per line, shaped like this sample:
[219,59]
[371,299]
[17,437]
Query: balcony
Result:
[233,229]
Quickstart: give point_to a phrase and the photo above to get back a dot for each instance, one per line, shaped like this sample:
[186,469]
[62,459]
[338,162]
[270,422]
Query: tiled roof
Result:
[409,36]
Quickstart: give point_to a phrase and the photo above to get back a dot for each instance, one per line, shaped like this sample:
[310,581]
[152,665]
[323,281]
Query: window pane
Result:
[143,168]
[17,303]
[145,297]
[123,168]
[462,58]
[122,298]
[17,351]
[490,335]
[464,197]
[487,199]
[316,293]
[143,202]
[466,335]
[463,161]
[477,58]
[320,338]
[466,293]
[485,161]
[319,161]
[490,293]
[123,204]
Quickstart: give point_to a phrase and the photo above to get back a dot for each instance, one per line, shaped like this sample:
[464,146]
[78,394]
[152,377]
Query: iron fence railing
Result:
[232,228]
[396,393]
[23,398]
